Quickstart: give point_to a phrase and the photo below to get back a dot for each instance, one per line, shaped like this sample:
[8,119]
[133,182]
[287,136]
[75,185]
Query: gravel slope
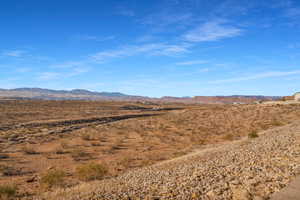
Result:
[247,169]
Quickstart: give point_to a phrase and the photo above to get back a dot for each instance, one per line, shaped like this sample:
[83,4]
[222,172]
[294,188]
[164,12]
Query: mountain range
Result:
[80,94]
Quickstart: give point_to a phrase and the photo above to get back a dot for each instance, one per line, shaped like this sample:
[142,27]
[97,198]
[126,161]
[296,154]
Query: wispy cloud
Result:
[69,64]
[293,12]
[54,75]
[23,69]
[168,21]
[258,76]
[13,53]
[146,38]
[192,62]
[94,38]
[124,11]
[167,18]
[294,46]
[149,49]
[212,31]
[45,76]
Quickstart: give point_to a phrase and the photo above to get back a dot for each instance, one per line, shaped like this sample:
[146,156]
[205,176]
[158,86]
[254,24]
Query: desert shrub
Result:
[64,145]
[29,150]
[89,135]
[8,171]
[60,150]
[91,171]
[253,134]
[86,136]
[7,192]
[277,123]
[96,144]
[125,162]
[80,154]
[52,178]
[228,136]
[179,153]
[4,156]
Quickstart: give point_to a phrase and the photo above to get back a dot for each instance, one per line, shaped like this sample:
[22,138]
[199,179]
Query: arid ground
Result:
[37,137]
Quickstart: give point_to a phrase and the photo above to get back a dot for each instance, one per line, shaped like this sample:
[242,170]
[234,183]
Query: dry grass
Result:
[253,134]
[80,154]
[91,171]
[122,145]
[52,179]
[229,137]
[7,192]
[6,170]
[29,150]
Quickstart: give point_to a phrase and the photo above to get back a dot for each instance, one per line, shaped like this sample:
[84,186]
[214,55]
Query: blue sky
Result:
[152,47]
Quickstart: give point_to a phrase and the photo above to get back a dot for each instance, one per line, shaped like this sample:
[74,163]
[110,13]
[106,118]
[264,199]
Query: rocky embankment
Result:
[242,170]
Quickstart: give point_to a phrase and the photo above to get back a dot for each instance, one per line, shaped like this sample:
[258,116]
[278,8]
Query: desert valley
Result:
[149,100]
[81,149]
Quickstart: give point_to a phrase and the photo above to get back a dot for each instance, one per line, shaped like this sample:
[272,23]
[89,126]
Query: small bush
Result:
[53,178]
[64,145]
[7,191]
[253,134]
[9,171]
[87,136]
[80,154]
[60,150]
[228,137]
[91,171]
[96,144]
[29,150]
[277,123]
[4,156]
[125,162]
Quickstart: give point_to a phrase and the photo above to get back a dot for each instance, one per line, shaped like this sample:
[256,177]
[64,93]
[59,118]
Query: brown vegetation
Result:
[91,171]
[7,192]
[36,136]
[53,178]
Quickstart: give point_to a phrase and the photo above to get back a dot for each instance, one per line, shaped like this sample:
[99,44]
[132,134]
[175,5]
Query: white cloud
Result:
[94,38]
[167,18]
[192,62]
[70,64]
[23,69]
[49,76]
[294,46]
[125,12]
[258,76]
[150,49]
[13,53]
[293,12]
[212,31]
[45,76]
[204,70]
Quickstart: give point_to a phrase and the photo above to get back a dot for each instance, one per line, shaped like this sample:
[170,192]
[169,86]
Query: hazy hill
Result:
[80,94]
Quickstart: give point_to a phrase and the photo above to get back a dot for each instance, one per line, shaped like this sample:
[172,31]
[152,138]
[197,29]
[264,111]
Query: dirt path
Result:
[35,130]
[244,170]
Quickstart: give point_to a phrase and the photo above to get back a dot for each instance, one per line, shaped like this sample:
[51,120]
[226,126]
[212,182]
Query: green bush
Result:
[80,154]
[29,150]
[9,171]
[91,171]
[7,192]
[53,178]
[253,134]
